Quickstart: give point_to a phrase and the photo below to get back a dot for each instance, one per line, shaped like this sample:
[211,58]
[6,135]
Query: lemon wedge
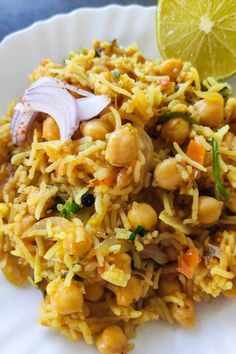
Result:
[200,31]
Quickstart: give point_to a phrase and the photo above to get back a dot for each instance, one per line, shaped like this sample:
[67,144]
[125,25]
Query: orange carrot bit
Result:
[100,270]
[196,152]
[188,262]
[166,85]
[108,181]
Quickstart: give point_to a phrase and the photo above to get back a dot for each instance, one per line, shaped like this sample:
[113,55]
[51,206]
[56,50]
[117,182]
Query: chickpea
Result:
[122,147]
[122,261]
[231,292]
[142,214]
[96,129]
[65,300]
[211,110]
[184,315]
[15,272]
[94,292]
[167,176]
[175,130]
[169,286]
[50,129]
[171,67]
[209,210]
[132,292]
[77,244]
[112,341]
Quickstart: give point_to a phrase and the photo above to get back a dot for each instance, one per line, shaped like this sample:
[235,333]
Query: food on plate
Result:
[202,32]
[118,202]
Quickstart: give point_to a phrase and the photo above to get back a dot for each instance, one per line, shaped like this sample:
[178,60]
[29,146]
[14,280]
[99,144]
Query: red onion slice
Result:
[52,82]
[91,106]
[51,96]
[20,124]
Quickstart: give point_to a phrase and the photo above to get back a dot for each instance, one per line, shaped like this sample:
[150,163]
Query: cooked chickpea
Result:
[175,130]
[209,210]
[169,286]
[211,110]
[167,176]
[94,292]
[122,147]
[96,129]
[15,272]
[65,300]
[77,244]
[132,292]
[122,261]
[50,129]
[112,341]
[231,292]
[184,315]
[142,214]
[171,68]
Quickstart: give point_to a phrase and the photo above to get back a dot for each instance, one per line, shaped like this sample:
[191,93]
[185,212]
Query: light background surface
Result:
[17,14]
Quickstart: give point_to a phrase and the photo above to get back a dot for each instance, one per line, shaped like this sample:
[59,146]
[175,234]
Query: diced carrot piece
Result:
[109,181]
[196,152]
[188,261]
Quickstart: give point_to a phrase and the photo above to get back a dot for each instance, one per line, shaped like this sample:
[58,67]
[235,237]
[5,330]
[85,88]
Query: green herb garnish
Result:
[116,74]
[216,169]
[138,231]
[70,207]
[168,115]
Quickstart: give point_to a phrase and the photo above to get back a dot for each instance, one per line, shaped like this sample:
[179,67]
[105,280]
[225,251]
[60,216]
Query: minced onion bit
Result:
[52,96]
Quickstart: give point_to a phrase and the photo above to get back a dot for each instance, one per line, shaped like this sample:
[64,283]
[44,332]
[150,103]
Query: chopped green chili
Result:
[70,207]
[116,74]
[138,231]
[216,169]
[168,115]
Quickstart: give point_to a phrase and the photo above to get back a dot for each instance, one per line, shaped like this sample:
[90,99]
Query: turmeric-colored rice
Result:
[160,236]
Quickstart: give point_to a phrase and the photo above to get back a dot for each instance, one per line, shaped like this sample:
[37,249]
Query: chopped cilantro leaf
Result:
[70,207]
[138,231]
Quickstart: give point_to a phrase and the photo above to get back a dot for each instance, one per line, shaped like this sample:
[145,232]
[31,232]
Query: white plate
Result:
[19,54]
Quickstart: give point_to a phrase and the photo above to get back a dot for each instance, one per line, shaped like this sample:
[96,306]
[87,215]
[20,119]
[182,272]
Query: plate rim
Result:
[52,18]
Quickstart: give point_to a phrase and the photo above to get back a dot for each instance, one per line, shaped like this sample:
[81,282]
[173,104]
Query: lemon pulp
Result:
[200,31]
